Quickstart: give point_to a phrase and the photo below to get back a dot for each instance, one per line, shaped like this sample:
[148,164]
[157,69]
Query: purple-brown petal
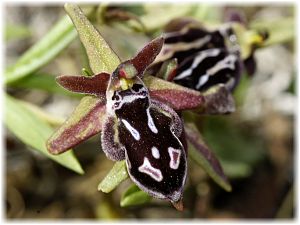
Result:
[147,55]
[85,121]
[94,85]
[203,156]
[176,96]
[178,99]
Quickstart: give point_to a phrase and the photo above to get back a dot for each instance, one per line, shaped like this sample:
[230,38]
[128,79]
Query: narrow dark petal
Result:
[147,55]
[176,96]
[86,121]
[178,99]
[205,157]
[94,85]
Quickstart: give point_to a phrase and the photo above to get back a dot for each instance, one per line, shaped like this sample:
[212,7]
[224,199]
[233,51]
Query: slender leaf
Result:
[46,117]
[34,132]
[59,37]
[201,154]
[236,169]
[115,176]
[134,196]
[101,57]
[14,31]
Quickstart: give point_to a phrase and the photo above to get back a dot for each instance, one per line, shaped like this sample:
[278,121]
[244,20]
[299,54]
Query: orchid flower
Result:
[137,115]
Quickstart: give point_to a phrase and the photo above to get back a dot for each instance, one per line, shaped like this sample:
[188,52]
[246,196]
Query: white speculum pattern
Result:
[148,169]
[133,131]
[227,62]
[198,59]
[155,152]
[151,124]
[174,157]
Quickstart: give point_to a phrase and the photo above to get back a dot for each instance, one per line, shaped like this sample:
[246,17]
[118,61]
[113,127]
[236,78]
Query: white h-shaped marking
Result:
[198,59]
[174,157]
[134,132]
[150,170]
[226,63]
[155,152]
[151,124]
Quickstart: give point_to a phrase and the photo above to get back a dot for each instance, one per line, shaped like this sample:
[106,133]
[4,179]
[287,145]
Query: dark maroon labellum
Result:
[205,58]
[144,131]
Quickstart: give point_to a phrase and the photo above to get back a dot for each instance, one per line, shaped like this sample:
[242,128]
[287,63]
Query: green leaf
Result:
[236,170]
[239,147]
[134,196]
[34,132]
[115,176]
[46,117]
[101,56]
[14,31]
[59,37]
[44,82]
[202,155]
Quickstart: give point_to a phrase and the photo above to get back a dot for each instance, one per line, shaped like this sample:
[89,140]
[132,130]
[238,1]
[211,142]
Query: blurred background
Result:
[255,144]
